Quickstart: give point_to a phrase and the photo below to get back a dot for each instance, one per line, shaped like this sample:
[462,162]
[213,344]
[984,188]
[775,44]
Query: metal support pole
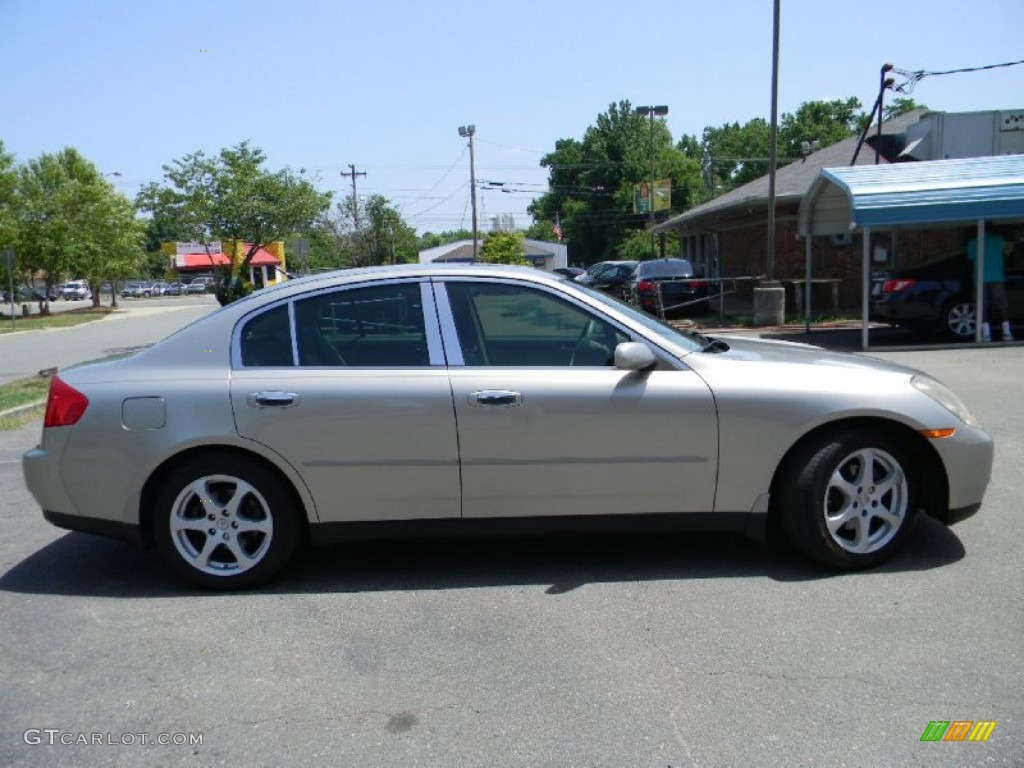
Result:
[651,111]
[807,284]
[773,146]
[650,192]
[979,283]
[469,131]
[865,288]
[883,83]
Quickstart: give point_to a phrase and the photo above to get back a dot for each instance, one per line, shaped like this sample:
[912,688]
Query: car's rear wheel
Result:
[225,522]
[849,500]
[959,320]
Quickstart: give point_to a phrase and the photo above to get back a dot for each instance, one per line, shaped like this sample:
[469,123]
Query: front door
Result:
[548,426]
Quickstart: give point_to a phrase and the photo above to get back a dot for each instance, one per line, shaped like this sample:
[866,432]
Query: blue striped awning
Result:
[931,192]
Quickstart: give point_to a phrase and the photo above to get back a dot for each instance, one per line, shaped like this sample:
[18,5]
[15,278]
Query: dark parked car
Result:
[611,277]
[571,272]
[26,293]
[938,296]
[681,289]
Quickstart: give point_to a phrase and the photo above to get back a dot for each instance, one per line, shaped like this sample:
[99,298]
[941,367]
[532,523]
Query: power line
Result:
[914,77]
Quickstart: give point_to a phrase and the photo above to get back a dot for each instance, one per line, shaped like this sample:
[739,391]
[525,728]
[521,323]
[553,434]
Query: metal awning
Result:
[931,192]
[935,192]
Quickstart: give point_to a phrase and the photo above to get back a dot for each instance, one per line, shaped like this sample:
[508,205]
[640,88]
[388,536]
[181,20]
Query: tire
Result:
[849,500]
[224,522]
[959,320]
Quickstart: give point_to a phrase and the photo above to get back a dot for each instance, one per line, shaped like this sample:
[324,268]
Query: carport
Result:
[938,192]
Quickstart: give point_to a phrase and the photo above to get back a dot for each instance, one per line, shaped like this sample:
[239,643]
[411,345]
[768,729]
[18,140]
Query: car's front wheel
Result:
[959,320]
[848,500]
[225,522]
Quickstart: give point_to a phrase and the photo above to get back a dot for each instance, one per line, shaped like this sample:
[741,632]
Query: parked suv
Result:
[199,285]
[137,290]
[75,289]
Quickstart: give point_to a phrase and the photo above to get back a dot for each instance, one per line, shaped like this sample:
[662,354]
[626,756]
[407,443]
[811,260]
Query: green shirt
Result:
[994,245]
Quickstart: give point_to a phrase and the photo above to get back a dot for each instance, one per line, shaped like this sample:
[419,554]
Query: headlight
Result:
[945,397]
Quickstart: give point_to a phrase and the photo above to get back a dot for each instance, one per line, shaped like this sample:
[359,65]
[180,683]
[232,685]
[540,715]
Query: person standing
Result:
[994,278]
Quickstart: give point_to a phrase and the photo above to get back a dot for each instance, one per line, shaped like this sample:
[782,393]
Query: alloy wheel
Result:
[866,501]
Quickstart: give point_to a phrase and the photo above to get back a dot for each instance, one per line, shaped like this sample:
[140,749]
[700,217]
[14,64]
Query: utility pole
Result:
[355,200]
[470,131]
[651,111]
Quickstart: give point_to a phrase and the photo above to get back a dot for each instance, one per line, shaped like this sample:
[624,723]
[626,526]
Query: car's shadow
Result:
[82,565]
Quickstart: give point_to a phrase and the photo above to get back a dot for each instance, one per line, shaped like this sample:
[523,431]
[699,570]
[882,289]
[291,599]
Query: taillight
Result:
[892,286]
[645,285]
[65,405]
[698,285]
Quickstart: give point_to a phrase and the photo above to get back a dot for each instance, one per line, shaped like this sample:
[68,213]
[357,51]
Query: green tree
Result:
[826,122]
[591,180]
[114,247]
[541,230]
[232,197]
[735,154]
[72,222]
[8,219]
[503,248]
[637,245]
[388,239]
[900,106]
[432,239]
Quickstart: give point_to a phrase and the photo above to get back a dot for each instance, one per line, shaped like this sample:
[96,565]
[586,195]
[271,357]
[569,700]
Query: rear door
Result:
[349,386]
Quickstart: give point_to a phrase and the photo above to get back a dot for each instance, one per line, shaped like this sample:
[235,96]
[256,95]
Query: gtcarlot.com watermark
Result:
[56,736]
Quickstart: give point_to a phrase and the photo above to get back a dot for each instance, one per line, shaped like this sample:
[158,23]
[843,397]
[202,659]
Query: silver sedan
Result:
[481,399]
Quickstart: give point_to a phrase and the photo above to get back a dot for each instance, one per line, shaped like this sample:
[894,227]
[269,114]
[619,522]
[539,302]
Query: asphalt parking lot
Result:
[671,651]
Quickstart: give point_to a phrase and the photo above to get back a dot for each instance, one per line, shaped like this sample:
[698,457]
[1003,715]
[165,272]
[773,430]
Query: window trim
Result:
[431,330]
[453,347]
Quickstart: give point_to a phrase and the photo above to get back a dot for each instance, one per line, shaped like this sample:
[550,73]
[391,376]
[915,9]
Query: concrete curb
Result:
[21,409]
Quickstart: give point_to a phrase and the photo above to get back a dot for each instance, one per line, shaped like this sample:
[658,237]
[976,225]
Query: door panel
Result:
[569,434]
[585,442]
[349,387]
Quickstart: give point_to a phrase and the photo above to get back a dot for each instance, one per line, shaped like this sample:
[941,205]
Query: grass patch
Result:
[55,320]
[23,391]
[19,421]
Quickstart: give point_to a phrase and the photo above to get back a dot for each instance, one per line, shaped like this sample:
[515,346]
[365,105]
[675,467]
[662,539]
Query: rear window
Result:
[665,268]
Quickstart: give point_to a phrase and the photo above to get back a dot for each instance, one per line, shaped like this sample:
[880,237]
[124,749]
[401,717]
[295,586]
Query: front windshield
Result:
[686,341]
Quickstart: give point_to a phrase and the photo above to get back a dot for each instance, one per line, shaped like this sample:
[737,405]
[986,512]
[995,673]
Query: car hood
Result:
[746,349]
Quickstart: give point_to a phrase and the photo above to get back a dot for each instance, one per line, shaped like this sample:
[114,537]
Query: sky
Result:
[385,85]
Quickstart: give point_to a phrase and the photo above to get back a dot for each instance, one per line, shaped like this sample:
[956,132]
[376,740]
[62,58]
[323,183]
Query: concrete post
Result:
[769,303]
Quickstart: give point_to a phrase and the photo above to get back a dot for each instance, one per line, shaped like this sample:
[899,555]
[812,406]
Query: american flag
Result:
[557,229]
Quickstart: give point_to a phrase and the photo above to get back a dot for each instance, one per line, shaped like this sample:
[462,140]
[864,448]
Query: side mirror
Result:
[634,356]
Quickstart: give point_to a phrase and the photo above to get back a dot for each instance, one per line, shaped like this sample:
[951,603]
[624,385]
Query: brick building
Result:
[727,236]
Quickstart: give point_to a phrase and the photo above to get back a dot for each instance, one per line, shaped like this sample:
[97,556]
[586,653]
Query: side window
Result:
[377,326]
[500,324]
[267,339]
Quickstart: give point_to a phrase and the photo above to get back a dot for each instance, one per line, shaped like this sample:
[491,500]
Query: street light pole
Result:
[470,131]
[651,111]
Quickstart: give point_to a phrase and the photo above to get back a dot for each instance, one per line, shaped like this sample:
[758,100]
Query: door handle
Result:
[499,397]
[272,399]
